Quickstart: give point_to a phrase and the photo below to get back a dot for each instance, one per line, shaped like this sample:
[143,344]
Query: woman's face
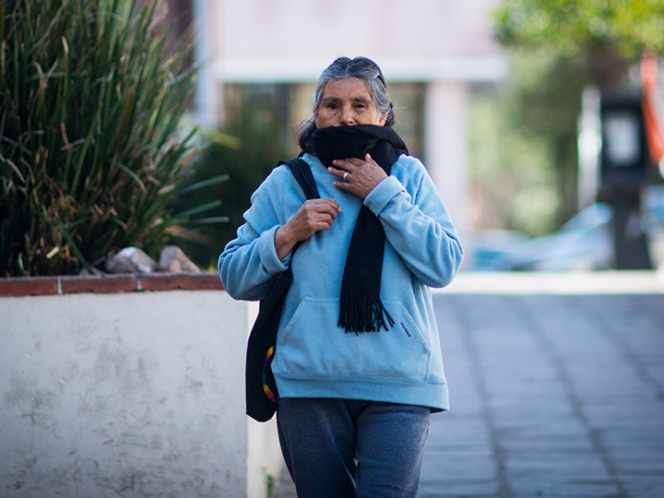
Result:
[347,102]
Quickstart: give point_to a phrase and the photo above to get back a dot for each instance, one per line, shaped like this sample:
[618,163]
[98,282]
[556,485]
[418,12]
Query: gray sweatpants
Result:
[350,448]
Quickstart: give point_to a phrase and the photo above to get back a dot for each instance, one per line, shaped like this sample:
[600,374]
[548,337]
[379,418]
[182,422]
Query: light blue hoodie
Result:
[316,358]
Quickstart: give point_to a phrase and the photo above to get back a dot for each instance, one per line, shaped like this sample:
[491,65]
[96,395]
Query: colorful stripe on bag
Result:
[268,392]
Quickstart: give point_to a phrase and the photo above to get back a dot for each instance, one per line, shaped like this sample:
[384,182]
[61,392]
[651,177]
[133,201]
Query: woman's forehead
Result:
[350,87]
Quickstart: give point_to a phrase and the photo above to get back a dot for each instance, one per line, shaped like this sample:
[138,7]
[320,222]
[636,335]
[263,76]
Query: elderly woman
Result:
[358,362]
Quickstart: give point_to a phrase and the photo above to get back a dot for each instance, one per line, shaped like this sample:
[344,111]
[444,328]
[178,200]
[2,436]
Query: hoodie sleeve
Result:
[417,223]
[248,263]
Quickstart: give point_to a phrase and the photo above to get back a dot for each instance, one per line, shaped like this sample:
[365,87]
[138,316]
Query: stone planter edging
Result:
[32,286]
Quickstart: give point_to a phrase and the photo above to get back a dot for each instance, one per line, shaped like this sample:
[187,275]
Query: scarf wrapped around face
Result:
[360,306]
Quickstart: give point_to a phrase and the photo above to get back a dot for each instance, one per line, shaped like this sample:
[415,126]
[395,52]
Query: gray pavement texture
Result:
[553,395]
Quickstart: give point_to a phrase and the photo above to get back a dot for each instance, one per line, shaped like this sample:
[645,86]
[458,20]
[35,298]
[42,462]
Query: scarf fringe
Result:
[360,313]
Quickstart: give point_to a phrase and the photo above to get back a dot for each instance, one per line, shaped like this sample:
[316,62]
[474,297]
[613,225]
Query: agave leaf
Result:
[200,209]
[204,183]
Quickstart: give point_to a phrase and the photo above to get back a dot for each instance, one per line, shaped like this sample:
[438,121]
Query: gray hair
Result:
[344,67]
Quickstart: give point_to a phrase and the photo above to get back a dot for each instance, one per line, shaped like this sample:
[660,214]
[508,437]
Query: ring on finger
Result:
[345,175]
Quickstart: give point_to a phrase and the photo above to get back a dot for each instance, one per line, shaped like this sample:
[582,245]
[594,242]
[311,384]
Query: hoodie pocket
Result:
[311,344]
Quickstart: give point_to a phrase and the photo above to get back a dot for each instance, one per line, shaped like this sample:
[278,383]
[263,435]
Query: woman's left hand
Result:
[358,176]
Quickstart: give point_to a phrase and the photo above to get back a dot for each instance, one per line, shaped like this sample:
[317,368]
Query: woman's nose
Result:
[347,116]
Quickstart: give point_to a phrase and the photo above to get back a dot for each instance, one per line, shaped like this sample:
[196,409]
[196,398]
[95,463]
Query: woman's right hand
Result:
[313,216]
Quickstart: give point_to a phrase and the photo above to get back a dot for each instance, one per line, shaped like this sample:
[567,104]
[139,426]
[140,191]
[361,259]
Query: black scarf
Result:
[361,309]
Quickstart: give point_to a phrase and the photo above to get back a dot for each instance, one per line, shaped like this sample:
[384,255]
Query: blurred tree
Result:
[511,175]
[622,28]
[558,49]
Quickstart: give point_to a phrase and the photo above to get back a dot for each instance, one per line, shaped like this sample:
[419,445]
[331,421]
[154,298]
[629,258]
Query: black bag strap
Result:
[302,173]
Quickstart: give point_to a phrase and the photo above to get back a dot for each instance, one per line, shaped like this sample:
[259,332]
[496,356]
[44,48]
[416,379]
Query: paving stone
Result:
[451,466]
[554,488]
[459,489]
[644,487]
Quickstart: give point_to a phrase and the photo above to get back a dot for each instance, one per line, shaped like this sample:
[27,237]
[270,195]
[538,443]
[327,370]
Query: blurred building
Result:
[432,52]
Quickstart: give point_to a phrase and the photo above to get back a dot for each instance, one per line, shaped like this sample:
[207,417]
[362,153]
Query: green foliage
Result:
[270,484]
[90,101]
[511,174]
[544,105]
[524,144]
[260,142]
[573,25]
[557,49]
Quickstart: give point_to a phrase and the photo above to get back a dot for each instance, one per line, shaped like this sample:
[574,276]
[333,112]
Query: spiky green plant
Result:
[259,142]
[90,100]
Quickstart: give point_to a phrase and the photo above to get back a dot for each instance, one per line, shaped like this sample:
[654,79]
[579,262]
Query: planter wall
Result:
[108,389]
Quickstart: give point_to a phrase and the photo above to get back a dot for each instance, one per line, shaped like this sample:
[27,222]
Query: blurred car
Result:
[583,243]
[489,246]
[654,222]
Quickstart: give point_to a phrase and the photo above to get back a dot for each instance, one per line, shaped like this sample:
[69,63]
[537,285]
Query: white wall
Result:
[129,394]
[293,40]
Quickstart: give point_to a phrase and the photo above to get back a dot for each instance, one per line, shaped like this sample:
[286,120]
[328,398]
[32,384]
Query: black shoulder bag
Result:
[260,388]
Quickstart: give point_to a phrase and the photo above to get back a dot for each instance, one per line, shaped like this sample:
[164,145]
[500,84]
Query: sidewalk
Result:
[557,389]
